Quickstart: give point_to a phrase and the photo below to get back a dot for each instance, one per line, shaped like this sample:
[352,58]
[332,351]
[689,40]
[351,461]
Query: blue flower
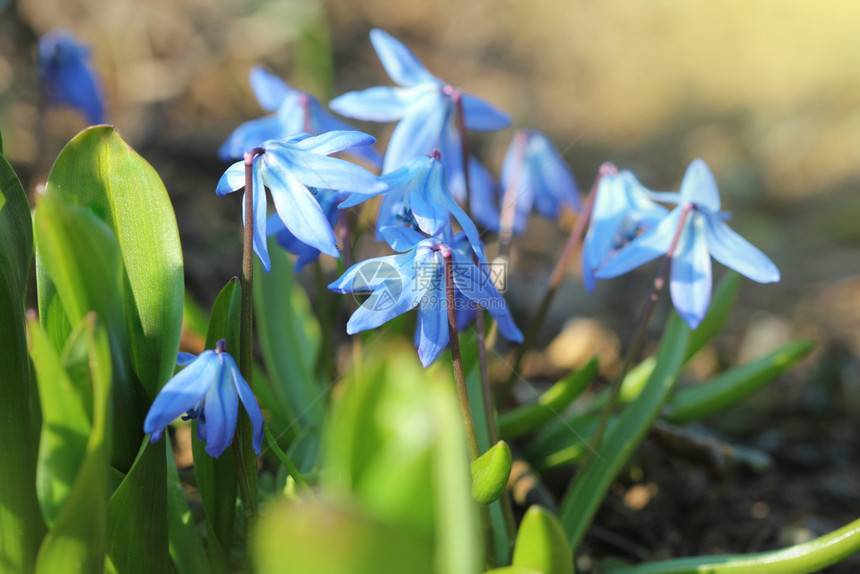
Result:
[208,389]
[416,278]
[328,201]
[417,197]
[295,112]
[539,177]
[703,234]
[623,209]
[68,76]
[295,170]
[425,107]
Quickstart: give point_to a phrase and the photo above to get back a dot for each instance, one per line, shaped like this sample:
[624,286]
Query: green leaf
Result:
[99,172]
[490,473]
[812,556]
[588,488]
[2,6]
[186,548]
[289,338]
[19,508]
[80,530]
[541,543]
[550,405]
[734,385]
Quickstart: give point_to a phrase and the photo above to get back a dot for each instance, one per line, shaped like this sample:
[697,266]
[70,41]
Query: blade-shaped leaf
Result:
[186,548]
[19,510]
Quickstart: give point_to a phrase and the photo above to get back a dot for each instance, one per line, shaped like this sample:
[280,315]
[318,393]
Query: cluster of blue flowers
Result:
[423,184]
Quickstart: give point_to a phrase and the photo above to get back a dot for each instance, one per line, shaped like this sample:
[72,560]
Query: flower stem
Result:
[633,352]
[573,241]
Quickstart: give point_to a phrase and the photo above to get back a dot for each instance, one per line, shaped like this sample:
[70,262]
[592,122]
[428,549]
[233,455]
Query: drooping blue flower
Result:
[295,112]
[208,389]
[68,76]
[703,234]
[417,197]
[416,278]
[328,201]
[295,170]
[425,107]
[539,177]
[622,209]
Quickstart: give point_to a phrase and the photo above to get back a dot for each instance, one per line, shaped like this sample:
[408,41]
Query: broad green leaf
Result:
[812,556]
[19,508]
[216,477]
[289,338]
[490,473]
[80,255]
[513,570]
[588,488]
[541,543]
[734,385]
[99,172]
[550,405]
[79,533]
[186,548]
[138,541]
[66,424]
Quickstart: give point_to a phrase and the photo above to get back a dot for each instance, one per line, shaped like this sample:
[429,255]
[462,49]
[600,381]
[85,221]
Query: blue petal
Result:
[517,178]
[734,251]
[247,136]
[419,132]
[269,89]
[293,115]
[483,196]
[650,245]
[377,104]
[424,198]
[318,171]
[185,359]
[221,409]
[476,283]
[691,272]
[381,306]
[450,146]
[672,197]
[432,332]
[261,247]
[335,141]
[181,393]
[400,63]
[481,116]
[556,181]
[465,222]
[401,238]
[300,212]
[325,122]
[700,187]
[68,75]
[373,273]
[248,400]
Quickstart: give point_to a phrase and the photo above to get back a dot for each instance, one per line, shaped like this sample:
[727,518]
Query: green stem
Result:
[285,461]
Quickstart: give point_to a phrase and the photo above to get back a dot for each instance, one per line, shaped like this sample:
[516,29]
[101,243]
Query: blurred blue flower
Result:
[416,278]
[295,170]
[539,177]
[425,107]
[68,76]
[328,201]
[704,233]
[295,112]
[208,389]
[417,197]
[622,209]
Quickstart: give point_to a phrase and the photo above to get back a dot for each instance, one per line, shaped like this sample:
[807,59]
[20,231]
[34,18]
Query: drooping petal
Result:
[691,272]
[481,116]
[432,329]
[700,187]
[335,141]
[221,409]
[68,75]
[418,133]
[424,198]
[300,212]
[557,183]
[484,196]
[232,180]
[377,104]
[269,89]
[476,283]
[261,247]
[185,359]
[398,60]
[672,197]
[370,274]
[650,245]
[248,400]
[293,115]
[385,303]
[318,171]
[324,122]
[734,251]
[401,238]
[249,135]
[181,393]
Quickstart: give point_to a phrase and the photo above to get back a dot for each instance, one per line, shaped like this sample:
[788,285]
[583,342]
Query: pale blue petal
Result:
[300,212]
[249,135]
[481,116]
[372,273]
[293,115]
[318,171]
[432,329]
[401,238]
[650,245]
[221,409]
[185,359]
[181,393]
[261,247]
[691,272]
[382,305]
[68,76]
[400,63]
[476,283]
[556,181]
[700,187]
[335,141]
[324,122]
[734,251]
[232,180]
[248,400]
[377,104]
[426,199]
[484,195]
[419,132]
[269,89]
[450,146]
[672,197]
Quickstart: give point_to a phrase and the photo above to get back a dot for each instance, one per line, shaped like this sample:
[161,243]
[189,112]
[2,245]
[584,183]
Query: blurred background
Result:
[768,93]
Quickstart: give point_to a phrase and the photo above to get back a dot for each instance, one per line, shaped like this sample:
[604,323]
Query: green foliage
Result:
[186,549]
[490,473]
[541,543]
